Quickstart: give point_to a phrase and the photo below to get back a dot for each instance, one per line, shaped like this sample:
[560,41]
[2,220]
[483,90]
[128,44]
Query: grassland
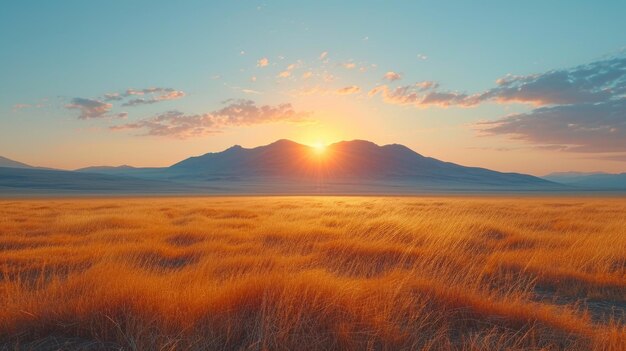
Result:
[313,273]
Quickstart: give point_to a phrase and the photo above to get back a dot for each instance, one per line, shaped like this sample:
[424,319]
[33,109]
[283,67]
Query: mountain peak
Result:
[234,148]
[283,143]
[6,162]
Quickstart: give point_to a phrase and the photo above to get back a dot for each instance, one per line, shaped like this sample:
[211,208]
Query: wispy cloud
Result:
[290,68]
[349,65]
[324,55]
[284,74]
[113,97]
[21,106]
[235,113]
[421,94]
[592,83]
[586,127]
[146,91]
[144,96]
[392,76]
[90,108]
[349,90]
[101,107]
[170,95]
[595,82]
[263,62]
[585,112]
[579,109]
[17,107]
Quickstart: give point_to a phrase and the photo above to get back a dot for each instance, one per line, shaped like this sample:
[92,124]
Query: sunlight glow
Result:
[319,148]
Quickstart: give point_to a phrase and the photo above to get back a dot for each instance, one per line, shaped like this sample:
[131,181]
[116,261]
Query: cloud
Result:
[173,123]
[420,95]
[594,82]
[391,76]
[427,85]
[90,108]
[113,97]
[235,113]
[100,108]
[583,109]
[170,95]
[153,90]
[307,75]
[585,127]
[262,62]
[18,107]
[597,82]
[422,57]
[349,90]
[323,55]
[287,72]
[349,65]
[250,91]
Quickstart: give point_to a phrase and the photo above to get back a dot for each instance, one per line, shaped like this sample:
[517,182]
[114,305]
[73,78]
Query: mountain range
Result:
[595,180]
[283,167]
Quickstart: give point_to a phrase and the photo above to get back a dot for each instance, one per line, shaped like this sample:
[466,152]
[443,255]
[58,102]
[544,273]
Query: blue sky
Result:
[60,59]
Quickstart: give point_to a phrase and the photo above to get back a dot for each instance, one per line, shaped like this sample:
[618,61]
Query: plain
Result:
[313,273]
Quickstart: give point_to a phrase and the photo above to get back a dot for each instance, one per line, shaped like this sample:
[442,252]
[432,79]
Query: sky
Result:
[533,87]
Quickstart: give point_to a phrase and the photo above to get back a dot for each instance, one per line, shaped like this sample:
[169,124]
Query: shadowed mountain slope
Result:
[5,162]
[45,181]
[355,161]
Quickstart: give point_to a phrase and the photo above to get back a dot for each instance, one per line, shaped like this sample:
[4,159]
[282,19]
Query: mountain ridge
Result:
[599,180]
[284,166]
[7,162]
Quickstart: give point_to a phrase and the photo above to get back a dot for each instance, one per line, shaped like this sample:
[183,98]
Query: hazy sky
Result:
[525,86]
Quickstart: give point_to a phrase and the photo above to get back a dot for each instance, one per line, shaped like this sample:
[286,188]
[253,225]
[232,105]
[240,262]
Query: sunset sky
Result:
[532,86]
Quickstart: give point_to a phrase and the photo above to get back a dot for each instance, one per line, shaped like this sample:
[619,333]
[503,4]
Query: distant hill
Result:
[44,181]
[595,180]
[104,169]
[5,162]
[285,167]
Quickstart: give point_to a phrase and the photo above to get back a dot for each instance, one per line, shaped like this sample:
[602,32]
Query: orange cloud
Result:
[349,90]
[262,62]
[235,113]
[391,76]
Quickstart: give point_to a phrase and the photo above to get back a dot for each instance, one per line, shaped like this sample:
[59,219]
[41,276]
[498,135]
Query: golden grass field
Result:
[313,273]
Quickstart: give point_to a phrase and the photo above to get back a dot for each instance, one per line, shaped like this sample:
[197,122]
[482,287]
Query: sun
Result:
[319,148]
